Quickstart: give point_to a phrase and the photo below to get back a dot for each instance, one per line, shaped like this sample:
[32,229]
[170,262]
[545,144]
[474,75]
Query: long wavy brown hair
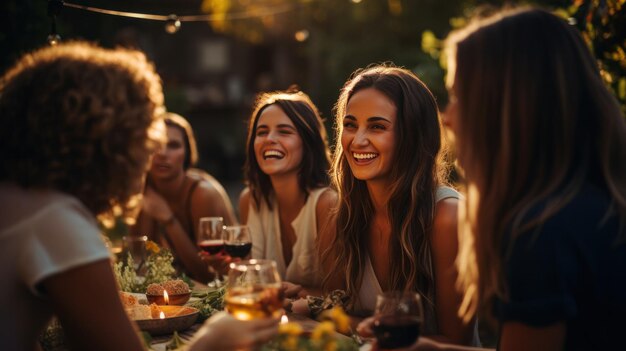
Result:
[82,120]
[535,120]
[313,172]
[416,172]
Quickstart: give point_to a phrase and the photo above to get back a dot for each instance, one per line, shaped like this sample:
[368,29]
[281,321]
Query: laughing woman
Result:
[287,200]
[396,224]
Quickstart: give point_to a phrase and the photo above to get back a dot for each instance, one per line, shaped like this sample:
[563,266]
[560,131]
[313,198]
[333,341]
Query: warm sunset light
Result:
[166,298]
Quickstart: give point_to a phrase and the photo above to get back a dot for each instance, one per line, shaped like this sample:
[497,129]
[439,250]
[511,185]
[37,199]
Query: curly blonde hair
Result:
[81,119]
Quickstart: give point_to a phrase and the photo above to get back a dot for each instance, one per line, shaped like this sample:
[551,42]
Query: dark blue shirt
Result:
[571,270]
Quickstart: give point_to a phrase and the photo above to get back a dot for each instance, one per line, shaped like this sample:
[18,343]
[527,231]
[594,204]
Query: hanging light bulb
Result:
[53,39]
[172,24]
[301,35]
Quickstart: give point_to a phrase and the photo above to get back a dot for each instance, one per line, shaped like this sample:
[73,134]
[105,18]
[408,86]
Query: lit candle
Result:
[166,298]
[161,315]
[284,319]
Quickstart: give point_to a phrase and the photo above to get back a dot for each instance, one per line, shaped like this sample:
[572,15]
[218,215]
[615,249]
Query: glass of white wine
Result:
[254,290]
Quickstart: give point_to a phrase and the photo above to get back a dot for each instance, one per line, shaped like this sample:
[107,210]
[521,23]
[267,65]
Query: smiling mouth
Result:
[274,154]
[364,157]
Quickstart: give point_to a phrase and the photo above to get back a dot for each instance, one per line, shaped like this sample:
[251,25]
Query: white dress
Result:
[42,233]
[304,268]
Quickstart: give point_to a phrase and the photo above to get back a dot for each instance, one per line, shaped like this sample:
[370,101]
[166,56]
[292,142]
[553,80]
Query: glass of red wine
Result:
[237,241]
[211,240]
[397,319]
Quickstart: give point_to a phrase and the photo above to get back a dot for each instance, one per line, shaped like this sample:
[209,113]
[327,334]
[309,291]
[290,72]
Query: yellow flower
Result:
[290,329]
[152,246]
[323,329]
[330,346]
[342,321]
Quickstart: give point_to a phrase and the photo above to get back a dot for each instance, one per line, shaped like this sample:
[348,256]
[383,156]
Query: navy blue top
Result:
[571,271]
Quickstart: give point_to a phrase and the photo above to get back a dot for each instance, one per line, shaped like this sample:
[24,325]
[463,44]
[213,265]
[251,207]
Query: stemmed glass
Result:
[254,290]
[397,319]
[211,240]
[237,241]
[136,247]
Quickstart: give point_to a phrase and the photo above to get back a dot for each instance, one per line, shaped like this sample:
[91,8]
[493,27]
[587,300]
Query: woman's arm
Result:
[515,337]
[244,203]
[90,293]
[444,242]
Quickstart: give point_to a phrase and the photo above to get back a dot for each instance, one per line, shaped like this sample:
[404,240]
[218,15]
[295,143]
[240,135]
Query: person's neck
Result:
[379,194]
[169,188]
[289,195]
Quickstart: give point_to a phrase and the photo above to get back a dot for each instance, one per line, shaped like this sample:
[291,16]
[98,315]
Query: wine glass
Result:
[254,290]
[136,247]
[211,240]
[397,319]
[237,241]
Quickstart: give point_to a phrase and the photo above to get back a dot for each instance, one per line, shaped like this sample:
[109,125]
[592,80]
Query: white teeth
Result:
[363,156]
[276,153]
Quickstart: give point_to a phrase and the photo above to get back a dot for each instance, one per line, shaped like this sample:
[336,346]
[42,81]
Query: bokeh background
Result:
[212,69]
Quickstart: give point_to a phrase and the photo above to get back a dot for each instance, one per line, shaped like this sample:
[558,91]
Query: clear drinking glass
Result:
[136,247]
[211,240]
[397,319]
[237,241]
[254,290]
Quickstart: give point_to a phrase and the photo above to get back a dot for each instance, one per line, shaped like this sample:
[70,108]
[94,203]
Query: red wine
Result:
[393,332]
[238,249]
[212,246]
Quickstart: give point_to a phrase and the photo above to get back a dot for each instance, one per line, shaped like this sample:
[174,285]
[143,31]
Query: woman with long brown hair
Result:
[543,145]
[396,222]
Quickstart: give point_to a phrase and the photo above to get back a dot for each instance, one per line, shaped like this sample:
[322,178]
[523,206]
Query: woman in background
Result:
[396,224]
[177,196]
[287,201]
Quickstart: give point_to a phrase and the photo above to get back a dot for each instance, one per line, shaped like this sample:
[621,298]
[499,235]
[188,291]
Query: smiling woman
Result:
[395,228]
[287,199]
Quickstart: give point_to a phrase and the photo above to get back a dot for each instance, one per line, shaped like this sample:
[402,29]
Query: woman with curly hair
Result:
[287,201]
[79,126]
[178,195]
[396,223]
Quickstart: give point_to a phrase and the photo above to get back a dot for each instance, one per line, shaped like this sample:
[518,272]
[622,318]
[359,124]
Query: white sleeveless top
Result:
[370,287]
[264,226]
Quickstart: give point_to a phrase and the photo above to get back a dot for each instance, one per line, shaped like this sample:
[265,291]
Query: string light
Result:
[54,8]
[301,35]
[172,22]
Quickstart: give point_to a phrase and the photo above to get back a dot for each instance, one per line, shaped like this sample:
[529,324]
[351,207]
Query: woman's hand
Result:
[219,262]
[291,290]
[422,344]
[155,205]
[224,332]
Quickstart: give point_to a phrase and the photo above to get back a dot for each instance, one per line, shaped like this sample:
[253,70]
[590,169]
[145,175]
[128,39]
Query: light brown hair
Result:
[535,120]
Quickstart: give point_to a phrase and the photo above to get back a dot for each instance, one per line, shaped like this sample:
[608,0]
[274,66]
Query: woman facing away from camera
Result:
[287,201]
[396,226]
[543,145]
[79,126]
[178,195]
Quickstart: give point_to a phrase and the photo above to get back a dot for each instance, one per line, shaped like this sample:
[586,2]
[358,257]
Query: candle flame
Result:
[166,297]
[161,315]
[284,319]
